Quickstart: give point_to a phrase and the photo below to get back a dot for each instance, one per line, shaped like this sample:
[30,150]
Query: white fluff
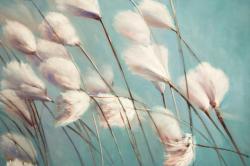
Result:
[19,37]
[167,125]
[59,29]
[94,83]
[214,82]
[85,8]
[15,146]
[21,78]
[113,110]
[15,106]
[71,105]
[181,152]
[156,14]
[132,26]
[17,162]
[148,62]
[61,72]
[47,49]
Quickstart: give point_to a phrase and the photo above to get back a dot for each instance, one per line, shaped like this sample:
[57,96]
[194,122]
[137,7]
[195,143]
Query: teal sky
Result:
[218,31]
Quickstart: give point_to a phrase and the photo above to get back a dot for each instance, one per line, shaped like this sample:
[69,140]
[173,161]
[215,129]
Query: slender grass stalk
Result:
[163,100]
[2,60]
[221,120]
[177,111]
[99,140]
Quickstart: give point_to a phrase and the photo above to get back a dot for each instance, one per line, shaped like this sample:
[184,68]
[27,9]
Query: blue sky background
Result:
[218,31]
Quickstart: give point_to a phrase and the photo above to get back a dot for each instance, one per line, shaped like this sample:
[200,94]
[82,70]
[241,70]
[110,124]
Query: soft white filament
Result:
[71,105]
[58,28]
[15,106]
[21,78]
[148,62]
[85,8]
[19,37]
[61,72]
[132,26]
[17,162]
[113,110]
[156,14]
[15,146]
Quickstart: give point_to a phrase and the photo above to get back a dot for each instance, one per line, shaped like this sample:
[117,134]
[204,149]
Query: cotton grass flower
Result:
[61,72]
[156,14]
[149,62]
[19,37]
[113,110]
[17,162]
[132,26]
[15,106]
[94,83]
[71,105]
[47,49]
[57,27]
[15,146]
[21,78]
[181,152]
[84,8]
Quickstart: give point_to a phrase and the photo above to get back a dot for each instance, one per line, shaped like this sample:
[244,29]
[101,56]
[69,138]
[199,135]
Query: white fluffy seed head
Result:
[47,49]
[180,152]
[21,78]
[147,63]
[15,146]
[61,72]
[94,83]
[71,105]
[132,26]
[113,110]
[156,14]
[167,125]
[19,37]
[15,106]
[84,8]
[17,162]
[59,29]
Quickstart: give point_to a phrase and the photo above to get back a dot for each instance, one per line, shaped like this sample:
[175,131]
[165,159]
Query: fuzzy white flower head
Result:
[113,110]
[213,81]
[61,72]
[21,78]
[17,162]
[94,83]
[15,106]
[156,14]
[132,26]
[180,152]
[84,8]
[19,37]
[71,105]
[47,49]
[166,123]
[58,28]
[15,146]
[148,63]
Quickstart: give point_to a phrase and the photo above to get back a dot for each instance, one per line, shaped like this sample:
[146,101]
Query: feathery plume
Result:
[94,83]
[113,110]
[156,14]
[167,125]
[61,72]
[47,49]
[71,105]
[19,37]
[181,152]
[15,146]
[21,78]
[84,8]
[148,62]
[15,106]
[57,27]
[17,162]
[132,26]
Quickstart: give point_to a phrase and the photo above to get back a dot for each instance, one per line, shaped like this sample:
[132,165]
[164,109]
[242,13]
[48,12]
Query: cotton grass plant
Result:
[24,93]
